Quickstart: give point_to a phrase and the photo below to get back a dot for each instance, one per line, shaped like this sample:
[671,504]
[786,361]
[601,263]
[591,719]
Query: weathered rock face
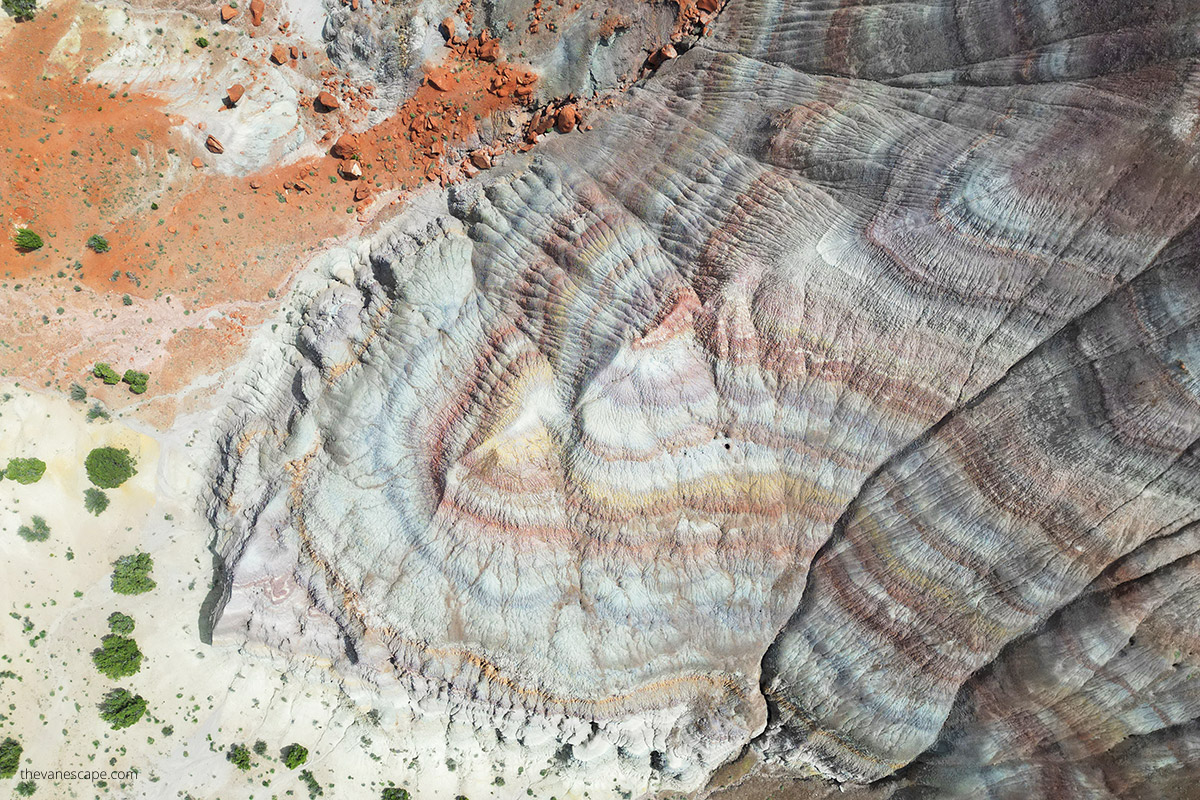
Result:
[835,394]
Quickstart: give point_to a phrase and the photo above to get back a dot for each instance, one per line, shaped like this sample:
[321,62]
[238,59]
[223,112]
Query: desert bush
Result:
[25,470]
[95,502]
[10,757]
[78,393]
[120,709]
[131,574]
[109,467]
[294,755]
[239,756]
[26,788]
[394,793]
[117,656]
[24,238]
[120,623]
[137,381]
[106,373]
[314,788]
[97,243]
[39,532]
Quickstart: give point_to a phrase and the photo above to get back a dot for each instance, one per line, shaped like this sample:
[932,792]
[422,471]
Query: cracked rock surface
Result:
[830,402]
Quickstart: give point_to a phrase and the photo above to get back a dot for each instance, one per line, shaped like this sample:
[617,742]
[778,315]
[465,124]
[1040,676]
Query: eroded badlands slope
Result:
[831,398]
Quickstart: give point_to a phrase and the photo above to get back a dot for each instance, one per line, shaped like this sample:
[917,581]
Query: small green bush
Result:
[260,748]
[120,709]
[10,757]
[96,412]
[201,42]
[26,788]
[117,657]
[314,788]
[394,793]
[97,243]
[120,623]
[78,393]
[131,574]
[106,373]
[294,755]
[20,10]
[95,501]
[239,756]
[25,470]
[40,531]
[137,381]
[24,238]
[109,467]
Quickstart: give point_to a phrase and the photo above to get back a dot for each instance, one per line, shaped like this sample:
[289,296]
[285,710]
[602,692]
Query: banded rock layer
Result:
[833,395]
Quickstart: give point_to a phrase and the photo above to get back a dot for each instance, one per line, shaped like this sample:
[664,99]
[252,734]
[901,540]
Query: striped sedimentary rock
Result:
[835,359]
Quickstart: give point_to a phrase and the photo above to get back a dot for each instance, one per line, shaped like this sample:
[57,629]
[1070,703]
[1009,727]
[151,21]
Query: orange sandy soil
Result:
[185,284]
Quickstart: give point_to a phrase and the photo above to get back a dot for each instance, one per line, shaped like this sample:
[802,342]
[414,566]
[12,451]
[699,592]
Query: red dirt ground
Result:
[79,160]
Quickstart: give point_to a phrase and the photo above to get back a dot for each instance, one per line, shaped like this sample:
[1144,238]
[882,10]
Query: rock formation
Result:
[830,397]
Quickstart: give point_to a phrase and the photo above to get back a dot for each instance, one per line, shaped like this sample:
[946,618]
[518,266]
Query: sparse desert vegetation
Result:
[36,531]
[10,757]
[25,470]
[95,501]
[106,373]
[117,657]
[131,574]
[120,708]
[137,381]
[239,756]
[121,624]
[294,755]
[109,467]
[24,238]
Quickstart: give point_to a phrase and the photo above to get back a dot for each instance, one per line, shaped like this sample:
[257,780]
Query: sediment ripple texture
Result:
[829,395]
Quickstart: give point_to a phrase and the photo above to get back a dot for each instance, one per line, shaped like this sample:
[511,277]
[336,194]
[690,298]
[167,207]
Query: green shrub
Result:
[131,574]
[26,788]
[394,793]
[78,393]
[21,9]
[137,381]
[314,788]
[98,243]
[40,531]
[117,656]
[95,501]
[294,755]
[120,709]
[106,373]
[10,757]
[96,412]
[201,42]
[239,756]
[260,748]
[25,470]
[120,623]
[109,467]
[24,238]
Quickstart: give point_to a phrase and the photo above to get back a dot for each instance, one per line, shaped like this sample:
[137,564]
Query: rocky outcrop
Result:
[833,397]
